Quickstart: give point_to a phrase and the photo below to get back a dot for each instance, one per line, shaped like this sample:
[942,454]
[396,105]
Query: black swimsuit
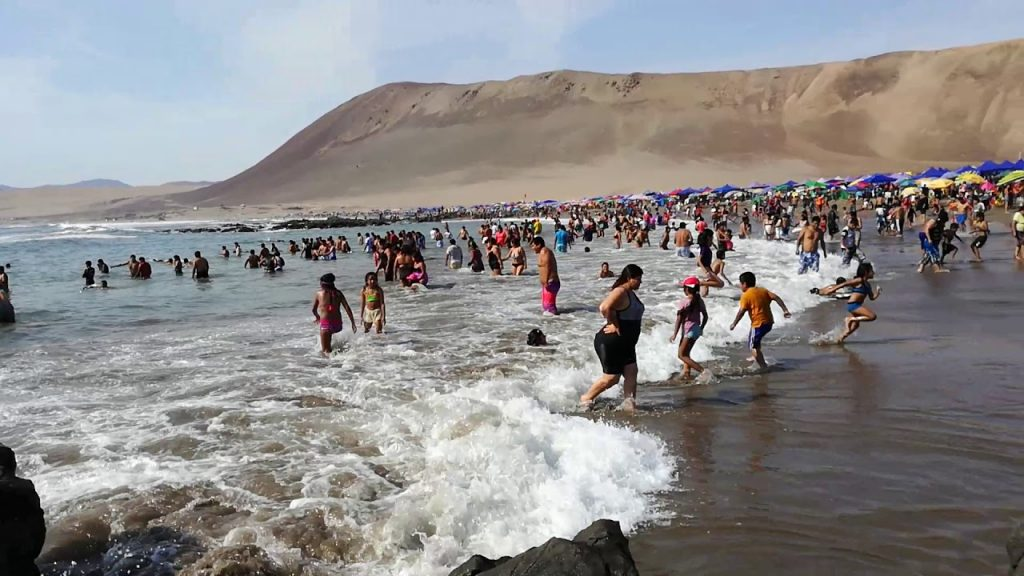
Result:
[616,351]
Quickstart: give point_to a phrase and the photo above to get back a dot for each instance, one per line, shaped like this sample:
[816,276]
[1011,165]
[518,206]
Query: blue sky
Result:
[157,90]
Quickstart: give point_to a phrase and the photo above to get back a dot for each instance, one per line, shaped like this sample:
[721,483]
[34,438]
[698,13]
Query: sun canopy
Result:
[970,178]
[1015,176]
[938,183]
[876,179]
[725,189]
[988,166]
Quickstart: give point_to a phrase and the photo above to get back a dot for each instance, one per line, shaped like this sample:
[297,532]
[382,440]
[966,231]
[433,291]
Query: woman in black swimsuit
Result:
[493,257]
[615,343]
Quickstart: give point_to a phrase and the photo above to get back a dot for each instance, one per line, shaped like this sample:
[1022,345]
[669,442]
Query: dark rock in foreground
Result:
[599,550]
[1015,549]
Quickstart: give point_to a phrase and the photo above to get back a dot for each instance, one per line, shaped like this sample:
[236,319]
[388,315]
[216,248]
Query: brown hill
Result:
[570,134]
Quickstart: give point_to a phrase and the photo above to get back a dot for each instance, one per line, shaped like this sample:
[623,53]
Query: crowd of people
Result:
[811,221]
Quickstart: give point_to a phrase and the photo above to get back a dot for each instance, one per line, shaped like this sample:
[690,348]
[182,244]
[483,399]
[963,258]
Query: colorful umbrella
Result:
[815,185]
[970,178]
[911,191]
[1015,176]
[937,183]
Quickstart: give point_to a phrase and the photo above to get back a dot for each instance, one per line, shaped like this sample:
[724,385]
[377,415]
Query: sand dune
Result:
[571,134]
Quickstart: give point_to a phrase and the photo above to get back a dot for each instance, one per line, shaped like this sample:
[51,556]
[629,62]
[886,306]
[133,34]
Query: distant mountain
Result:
[195,183]
[95,183]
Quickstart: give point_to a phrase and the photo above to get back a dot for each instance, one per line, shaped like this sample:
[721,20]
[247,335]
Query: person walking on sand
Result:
[980,235]
[327,305]
[1018,232]
[692,317]
[372,309]
[757,302]
[547,270]
[615,342]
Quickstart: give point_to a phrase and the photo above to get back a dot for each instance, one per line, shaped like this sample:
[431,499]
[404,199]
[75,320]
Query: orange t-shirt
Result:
[758,302]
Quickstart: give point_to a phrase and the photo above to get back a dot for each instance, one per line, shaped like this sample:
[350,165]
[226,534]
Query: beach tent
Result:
[988,166]
[815,185]
[758,186]
[970,178]
[875,179]
[1006,165]
[1015,176]
[933,172]
[1019,164]
[725,189]
[905,183]
[952,174]
[967,168]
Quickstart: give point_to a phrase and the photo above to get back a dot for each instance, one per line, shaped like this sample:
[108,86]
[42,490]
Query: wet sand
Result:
[900,453]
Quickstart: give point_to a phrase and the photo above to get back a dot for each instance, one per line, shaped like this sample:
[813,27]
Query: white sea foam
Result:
[444,437]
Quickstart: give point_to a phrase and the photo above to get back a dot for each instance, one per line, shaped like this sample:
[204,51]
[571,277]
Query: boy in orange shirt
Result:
[758,303]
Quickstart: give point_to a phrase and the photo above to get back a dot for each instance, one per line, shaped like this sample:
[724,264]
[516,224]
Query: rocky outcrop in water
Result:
[599,550]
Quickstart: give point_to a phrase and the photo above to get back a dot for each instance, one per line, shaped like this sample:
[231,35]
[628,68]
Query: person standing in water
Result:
[615,342]
[453,256]
[372,308]
[200,267]
[5,282]
[807,243]
[89,274]
[327,305]
[757,302]
[692,317]
[102,267]
[860,290]
[547,269]
[518,257]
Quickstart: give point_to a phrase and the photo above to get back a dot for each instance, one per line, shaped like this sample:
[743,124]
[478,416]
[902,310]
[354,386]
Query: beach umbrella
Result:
[905,183]
[877,179]
[970,178]
[758,186]
[939,183]
[815,185]
[911,191]
[1015,176]
[725,189]
[951,175]
[967,168]
[1019,164]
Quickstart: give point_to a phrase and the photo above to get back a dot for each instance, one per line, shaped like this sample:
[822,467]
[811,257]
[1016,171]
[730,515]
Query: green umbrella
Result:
[1012,177]
[814,185]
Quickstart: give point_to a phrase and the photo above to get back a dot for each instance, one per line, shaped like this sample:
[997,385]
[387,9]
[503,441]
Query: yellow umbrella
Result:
[970,178]
[910,191]
[938,183]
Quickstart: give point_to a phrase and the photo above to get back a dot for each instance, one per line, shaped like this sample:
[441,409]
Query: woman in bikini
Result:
[327,304]
[518,257]
[860,291]
[372,308]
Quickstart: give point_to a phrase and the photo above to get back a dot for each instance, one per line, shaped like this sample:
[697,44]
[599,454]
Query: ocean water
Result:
[206,406]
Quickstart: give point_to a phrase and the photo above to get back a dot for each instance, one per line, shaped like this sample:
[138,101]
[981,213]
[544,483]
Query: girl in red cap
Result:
[692,317]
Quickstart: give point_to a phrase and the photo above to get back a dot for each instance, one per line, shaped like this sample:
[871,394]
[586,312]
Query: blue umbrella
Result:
[1007,165]
[724,189]
[1019,164]
[951,175]
[964,169]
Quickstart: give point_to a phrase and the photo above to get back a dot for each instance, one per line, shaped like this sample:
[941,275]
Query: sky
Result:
[161,90]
